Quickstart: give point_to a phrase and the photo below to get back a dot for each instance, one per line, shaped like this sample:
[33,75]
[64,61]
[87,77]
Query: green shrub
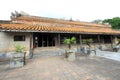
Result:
[19,48]
[87,41]
[70,41]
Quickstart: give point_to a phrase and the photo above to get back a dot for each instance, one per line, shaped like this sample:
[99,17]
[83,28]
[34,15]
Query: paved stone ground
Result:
[58,68]
[109,55]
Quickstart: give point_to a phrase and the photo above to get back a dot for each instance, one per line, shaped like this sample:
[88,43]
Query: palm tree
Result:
[70,41]
[70,54]
[88,42]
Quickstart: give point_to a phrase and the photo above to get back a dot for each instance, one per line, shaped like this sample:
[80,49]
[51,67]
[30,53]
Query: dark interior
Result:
[43,40]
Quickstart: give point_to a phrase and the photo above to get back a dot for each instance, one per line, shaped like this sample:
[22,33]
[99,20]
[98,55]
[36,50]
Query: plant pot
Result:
[91,53]
[70,55]
[17,59]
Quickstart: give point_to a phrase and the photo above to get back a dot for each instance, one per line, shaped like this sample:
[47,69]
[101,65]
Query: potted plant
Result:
[18,57]
[19,50]
[88,43]
[70,53]
[116,48]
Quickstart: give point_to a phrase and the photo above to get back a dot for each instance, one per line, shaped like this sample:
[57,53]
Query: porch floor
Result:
[58,68]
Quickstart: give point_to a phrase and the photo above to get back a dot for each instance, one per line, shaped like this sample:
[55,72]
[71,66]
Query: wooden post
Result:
[42,40]
[115,41]
[31,40]
[31,47]
[99,39]
[103,39]
[80,39]
[55,38]
[59,39]
[111,38]
[47,41]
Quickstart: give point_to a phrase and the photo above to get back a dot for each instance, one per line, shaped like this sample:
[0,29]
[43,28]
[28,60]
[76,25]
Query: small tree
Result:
[70,41]
[19,48]
[88,42]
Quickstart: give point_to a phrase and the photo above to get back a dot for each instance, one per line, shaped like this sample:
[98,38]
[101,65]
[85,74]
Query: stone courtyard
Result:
[58,68]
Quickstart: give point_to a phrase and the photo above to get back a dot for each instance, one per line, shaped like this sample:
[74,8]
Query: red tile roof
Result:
[40,24]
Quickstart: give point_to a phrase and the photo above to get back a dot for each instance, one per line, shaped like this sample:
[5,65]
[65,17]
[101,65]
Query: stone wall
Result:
[93,46]
[7,42]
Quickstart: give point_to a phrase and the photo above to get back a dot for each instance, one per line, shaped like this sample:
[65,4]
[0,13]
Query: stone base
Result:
[119,50]
[92,54]
[71,57]
[14,64]
[17,60]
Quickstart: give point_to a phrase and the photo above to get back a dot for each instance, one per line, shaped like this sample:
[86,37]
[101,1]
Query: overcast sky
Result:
[83,10]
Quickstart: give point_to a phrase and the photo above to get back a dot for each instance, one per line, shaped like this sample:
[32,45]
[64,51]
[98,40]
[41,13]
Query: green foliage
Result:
[114,22]
[73,40]
[87,41]
[70,41]
[67,41]
[19,48]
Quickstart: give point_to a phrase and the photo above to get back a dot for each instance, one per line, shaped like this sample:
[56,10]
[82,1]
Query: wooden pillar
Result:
[103,39]
[111,39]
[99,39]
[80,39]
[42,40]
[56,42]
[47,40]
[115,41]
[58,39]
[31,40]
[31,47]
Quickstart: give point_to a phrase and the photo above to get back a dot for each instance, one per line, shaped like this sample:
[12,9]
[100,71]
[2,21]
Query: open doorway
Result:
[43,39]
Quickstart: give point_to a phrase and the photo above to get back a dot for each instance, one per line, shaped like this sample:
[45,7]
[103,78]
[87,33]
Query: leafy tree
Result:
[70,41]
[114,22]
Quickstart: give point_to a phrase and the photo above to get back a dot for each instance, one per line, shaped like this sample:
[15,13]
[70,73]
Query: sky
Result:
[82,10]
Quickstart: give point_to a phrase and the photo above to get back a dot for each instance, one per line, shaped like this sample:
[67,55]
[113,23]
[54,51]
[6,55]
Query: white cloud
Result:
[84,10]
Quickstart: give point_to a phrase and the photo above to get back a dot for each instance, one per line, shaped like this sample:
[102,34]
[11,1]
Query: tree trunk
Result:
[69,46]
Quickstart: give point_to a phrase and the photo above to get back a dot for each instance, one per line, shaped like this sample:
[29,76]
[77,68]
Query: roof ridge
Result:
[46,19]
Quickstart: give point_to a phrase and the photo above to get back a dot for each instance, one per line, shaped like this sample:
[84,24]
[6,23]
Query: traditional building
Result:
[32,32]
